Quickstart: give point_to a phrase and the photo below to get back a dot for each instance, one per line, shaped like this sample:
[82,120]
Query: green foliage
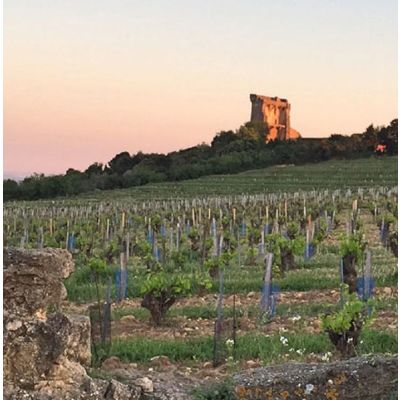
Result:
[202,281]
[293,230]
[161,282]
[99,269]
[180,257]
[217,391]
[353,311]
[277,243]
[353,245]
[388,218]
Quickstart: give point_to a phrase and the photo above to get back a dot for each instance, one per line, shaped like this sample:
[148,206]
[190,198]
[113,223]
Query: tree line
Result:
[229,152]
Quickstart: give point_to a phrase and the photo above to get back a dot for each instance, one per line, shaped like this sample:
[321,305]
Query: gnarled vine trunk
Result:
[287,260]
[346,342]
[349,272]
[158,305]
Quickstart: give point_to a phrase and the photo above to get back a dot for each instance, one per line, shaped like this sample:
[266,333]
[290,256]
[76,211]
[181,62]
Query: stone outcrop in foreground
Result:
[371,378]
[45,351]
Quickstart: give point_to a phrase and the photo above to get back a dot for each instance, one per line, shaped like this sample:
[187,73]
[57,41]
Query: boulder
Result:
[32,280]
[41,347]
[45,351]
[118,391]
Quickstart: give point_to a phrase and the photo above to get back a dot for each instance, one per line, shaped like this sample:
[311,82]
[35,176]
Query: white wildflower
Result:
[283,340]
[309,388]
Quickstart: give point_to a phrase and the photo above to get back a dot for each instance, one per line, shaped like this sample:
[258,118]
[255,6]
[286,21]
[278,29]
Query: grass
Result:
[269,349]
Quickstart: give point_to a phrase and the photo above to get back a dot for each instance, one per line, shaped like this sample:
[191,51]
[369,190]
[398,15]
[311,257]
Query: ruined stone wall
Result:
[368,377]
[275,112]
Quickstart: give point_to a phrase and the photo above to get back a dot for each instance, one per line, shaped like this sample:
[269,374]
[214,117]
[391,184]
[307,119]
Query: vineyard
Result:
[230,272]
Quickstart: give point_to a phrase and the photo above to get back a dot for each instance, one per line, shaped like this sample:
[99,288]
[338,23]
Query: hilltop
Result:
[229,153]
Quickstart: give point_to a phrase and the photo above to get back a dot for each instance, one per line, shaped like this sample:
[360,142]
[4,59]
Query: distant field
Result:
[336,174]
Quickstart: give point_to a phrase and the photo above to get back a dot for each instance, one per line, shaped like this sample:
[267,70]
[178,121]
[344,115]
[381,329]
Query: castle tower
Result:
[275,112]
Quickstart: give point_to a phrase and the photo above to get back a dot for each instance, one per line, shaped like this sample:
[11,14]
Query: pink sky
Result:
[85,80]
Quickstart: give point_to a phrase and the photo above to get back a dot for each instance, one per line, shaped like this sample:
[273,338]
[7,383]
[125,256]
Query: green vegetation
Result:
[229,153]
[218,391]
[175,241]
[269,349]
[208,311]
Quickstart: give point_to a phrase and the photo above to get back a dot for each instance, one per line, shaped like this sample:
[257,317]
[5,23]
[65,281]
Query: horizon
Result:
[19,176]
[87,80]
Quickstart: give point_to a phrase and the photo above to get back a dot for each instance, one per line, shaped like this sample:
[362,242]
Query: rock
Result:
[207,365]
[348,379]
[63,375]
[112,363]
[387,291]
[252,364]
[128,319]
[317,324]
[13,325]
[145,383]
[32,351]
[162,361]
[42,352]
[118,391]
[250,295]
[78,347]
[32,279]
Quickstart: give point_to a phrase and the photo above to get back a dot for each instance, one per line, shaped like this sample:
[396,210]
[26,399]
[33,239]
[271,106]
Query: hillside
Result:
[334,174]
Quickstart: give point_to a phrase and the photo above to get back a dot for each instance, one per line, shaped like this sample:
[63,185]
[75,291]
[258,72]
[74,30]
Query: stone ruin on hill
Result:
[275,112]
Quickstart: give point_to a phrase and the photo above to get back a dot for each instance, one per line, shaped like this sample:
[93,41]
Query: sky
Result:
[87,79]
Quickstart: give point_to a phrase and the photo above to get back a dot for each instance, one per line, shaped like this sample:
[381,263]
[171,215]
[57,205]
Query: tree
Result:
[10,190]
[223,139]
[370,137]
[256,131]
[121,163]
[94,169]
[388,137]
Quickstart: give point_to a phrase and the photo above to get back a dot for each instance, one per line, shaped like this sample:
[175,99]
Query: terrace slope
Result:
[333,174]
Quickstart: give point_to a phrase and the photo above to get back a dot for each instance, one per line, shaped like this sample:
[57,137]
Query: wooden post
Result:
[123,221]
[108,229]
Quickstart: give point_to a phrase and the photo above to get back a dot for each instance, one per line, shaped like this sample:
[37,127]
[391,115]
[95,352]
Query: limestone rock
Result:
[78,344]
[145,383]
[252,364]
[119,391]
[128,319]
[32,280]
[112,363]
[42,352]
[161,361]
